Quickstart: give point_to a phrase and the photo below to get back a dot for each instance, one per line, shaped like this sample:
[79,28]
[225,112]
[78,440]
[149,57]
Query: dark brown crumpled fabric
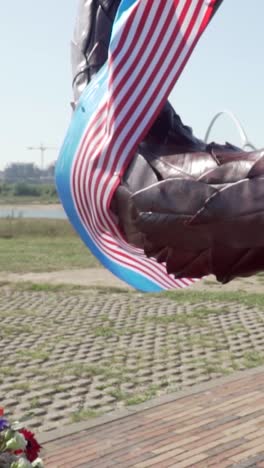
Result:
[198,208]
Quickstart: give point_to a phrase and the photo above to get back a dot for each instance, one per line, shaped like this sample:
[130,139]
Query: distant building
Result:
[28,172]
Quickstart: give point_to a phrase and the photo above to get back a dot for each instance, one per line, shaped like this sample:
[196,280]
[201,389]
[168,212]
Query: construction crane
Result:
[42,148]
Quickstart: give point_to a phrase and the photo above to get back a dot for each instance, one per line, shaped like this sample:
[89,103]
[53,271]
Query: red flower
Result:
[1,411]
[32,449]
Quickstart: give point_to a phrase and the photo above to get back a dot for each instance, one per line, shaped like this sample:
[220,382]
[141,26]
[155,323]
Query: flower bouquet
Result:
[18,446]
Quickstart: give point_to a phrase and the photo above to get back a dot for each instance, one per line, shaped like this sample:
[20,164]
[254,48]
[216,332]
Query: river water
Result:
[32,211]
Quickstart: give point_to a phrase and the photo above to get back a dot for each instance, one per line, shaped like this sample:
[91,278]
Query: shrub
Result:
[21,188]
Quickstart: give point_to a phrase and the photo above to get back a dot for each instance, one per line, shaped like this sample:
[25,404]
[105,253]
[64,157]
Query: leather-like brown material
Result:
[197,208]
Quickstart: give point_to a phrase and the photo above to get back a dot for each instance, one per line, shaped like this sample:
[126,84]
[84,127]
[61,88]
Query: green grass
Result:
[46,287]
[204,297]
[18,313]
[117,394]
[197,318]
[79,370]
[37,353]
[41,246]
[34,403]
[84,414]
[253,359]
[105,331]
[7,371]
[137,398]
[25,386]
[182,320]
[12,227]
[200,298]
[238,329]
[202,341]
[10,330]
[45,198]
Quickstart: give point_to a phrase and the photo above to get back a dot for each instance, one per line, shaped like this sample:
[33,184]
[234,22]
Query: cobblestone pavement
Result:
[67,356]
[217,425]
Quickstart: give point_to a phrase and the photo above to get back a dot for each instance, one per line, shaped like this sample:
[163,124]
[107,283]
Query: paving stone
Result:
[44,401]
[106,399]
[142,351]
[39,412]
[8,402]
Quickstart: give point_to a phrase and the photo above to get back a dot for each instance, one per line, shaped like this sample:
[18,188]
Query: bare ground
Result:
[101,277]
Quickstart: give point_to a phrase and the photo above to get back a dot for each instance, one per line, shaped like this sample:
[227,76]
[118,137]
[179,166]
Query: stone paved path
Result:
[217,425]
[70,356]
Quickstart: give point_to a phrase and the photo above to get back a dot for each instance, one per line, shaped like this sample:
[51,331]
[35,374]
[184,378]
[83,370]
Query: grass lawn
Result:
[41,246]
[28,200]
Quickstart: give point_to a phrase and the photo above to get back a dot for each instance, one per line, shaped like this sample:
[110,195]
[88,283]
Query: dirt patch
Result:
[85,277]
[101,277]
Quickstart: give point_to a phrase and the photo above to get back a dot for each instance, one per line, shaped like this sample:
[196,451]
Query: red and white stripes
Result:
[150,45]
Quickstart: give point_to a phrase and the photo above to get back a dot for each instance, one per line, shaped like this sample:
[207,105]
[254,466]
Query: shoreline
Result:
[31,206]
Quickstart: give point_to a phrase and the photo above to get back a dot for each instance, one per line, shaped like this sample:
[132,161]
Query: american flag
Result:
[150,45]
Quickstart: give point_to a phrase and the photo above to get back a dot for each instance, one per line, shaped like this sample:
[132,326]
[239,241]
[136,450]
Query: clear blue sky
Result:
[225,72]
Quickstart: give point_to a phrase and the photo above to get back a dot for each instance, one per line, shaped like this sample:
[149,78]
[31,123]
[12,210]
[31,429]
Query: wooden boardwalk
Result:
[220,424]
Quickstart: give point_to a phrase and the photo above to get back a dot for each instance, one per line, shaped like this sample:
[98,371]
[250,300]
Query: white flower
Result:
[21,463]
[38,463]
[16,442]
